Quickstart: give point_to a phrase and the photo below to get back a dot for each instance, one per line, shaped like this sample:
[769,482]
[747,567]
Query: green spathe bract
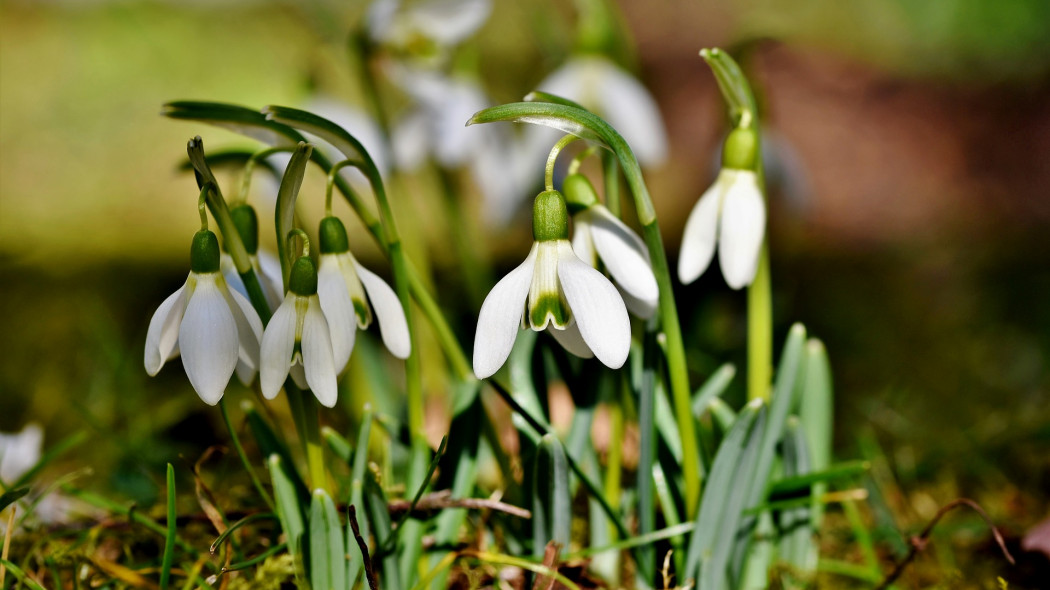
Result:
[579,192]
[247,224]
[550,217]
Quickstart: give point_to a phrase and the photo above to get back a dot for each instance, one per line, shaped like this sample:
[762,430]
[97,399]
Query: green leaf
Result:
[716,523]
[289,510]
[551,508]
[270,444]
[817,415]
[357,483]
[540,96]
[321,127]
[798,547]
[714,387]
[337,444]
[11,496]
[236,118]
[328,555]
[789,486]
[169,539]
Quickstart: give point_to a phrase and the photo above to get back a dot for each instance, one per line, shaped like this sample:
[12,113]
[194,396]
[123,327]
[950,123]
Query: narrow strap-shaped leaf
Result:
[289,510]
[792,485]
[236,118]
[714,387]
[756,487]
[337,444]
[817,414]
[551,508]
[712,527]
[328,555]
[11,496]
[270,444]
[798,547]
[357,496]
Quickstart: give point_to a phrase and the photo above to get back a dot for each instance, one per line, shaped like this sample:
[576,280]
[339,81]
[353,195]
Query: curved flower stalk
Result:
[298,340]
[732,213]
[598,234]
[610,92]
[345,288]
[215,329]
[266,266]
[553,290]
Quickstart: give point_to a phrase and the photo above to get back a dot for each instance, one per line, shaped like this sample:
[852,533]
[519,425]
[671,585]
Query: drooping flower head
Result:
[731,214]
[298,340]
[598,234]
[552,290]
[215,329]
[266,266]
[345,289]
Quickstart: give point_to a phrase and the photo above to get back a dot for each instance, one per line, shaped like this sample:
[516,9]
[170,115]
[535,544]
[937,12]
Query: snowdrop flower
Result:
[615,95]
[598,234]
[345,289]
[442,22]
[19,452]
[732,213]
[213,328]
[298,340]
[553,290]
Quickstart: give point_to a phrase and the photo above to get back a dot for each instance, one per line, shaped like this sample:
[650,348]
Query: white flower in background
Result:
[553,290]
[345,289]
[442,22]
[499,161]
[211,326]
[616,96]
[298,340]
[598,234]
[267,269]
[732,213]
[19,452]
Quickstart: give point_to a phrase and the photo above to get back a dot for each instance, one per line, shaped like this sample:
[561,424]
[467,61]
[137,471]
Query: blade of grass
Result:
[551,508]
[169,540]
[289,508]
[327,552]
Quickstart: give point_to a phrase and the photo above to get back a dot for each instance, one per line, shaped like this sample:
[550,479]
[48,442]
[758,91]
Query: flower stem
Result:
[244,458]
[552,158]
[760,331]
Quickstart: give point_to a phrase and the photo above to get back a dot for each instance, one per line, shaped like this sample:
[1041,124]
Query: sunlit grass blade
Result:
[327,553]
[716,525]
[242,522]
[525,564]
[289,508]
[792,485]
[169,539]
[20,575]
[551,508]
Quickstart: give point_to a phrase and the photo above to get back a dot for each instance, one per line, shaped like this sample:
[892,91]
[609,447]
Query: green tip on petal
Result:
[247,224]
[333,236]
[579,192]
[204,253]
[303,279]
[550,217]
[740,151]
[550,306]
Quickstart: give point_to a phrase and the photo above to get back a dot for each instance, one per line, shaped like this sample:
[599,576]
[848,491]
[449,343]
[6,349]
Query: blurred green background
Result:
[910,232]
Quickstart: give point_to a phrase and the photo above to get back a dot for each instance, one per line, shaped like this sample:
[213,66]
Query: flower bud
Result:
[550,218]
[204,252]
[579,192]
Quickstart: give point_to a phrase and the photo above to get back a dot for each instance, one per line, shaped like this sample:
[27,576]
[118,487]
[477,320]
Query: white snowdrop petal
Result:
[230,275]
[632,111]
[317,355]
[270,275]
[624,255]
[700,235]
[411,140]
[500,318]
[249,335]
[393,325]
[208,340]
[743,227]
[582,242]
[644,309]
[568,81]
[20,451]
[338,310]
[571,340]
[275,353]
[299,375]
[162,336]
[597,307]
